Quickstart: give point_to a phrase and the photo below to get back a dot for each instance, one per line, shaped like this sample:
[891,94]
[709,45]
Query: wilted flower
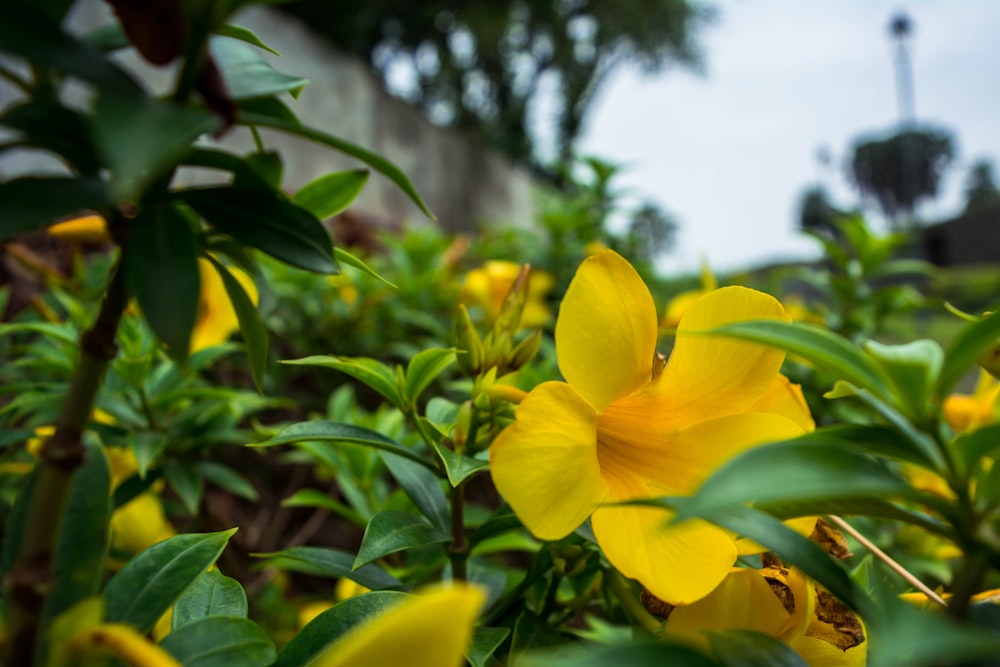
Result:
[625,427]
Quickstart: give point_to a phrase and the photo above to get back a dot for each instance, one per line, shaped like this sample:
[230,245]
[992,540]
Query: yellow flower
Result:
[968,412]
[783,604]
[432,629]
[623,427]
[85,229]
[486,287]
[216,317]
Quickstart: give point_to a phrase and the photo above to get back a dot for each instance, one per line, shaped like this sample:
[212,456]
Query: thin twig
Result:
[888,560]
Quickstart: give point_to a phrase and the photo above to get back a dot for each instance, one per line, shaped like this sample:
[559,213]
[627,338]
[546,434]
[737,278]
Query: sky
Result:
[729,152]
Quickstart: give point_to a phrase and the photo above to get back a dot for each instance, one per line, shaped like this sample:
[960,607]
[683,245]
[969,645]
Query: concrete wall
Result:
[462,183]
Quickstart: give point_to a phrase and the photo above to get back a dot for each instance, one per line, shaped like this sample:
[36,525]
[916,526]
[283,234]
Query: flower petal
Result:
[709,376]
[678,563]
[606,330]
[545,463]
[428,630]
[743,601]
[786,399]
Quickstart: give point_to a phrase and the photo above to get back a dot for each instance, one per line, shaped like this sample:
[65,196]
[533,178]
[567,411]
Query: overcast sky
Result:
[728,153]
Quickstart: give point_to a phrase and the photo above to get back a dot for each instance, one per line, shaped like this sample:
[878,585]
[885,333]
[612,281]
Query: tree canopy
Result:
[481,65]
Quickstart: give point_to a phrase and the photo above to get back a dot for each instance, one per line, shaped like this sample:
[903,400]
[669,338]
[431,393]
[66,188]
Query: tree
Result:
[981,191]
[900,170]
[815,211]
[480,65]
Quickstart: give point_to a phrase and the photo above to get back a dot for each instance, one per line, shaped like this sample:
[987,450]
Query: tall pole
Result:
[900,30]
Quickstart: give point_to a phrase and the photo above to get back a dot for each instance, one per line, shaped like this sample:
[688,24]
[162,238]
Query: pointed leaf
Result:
[161,270]
[220,641]
[226,478]
[332,563]
[211,594]
[344,433]
[790,471]
[391,531]
[251,324]
[267,222]
[458,467]
[244,35]
[485,643]
[55,128]
[27,204]
[828,351]
[913,369]
[422,486]
[969,346]
[345,257]
[640,653]
[328,195]
[374,160]
[424,368]
[370,372]
[150,583]
[335,623]
[186,483]
[744,648]
[247,74]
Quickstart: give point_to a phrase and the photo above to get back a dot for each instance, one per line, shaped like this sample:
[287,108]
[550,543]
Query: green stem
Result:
[631,604]
[458,553]
[30,578]
[967,582]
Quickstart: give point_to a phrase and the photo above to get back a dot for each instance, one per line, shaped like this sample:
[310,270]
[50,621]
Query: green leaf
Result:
[226,478]
[745,648]
[370,372]
[150,583]
[314,498]
[348,434]
[332,563]
[244,35]
[268,171]
[485,642]
[458,467]
[269,107]
[55,128]
[220,641]
[245,173]
[373,160]
[161,270]
[267,222]
[335,623]
[424,368]
[82,544]
[345,257]
[247,74]
[792,471]
[979,443]
[211,594]
[17,521]
[251,324]
[501,521]
[913,369]
[640,653]
[971,343]
[27,204]
[390,531]
[146,446]
[828,351]
[186,483]
[328,195]
[31,35]
[422,486]
[142,139]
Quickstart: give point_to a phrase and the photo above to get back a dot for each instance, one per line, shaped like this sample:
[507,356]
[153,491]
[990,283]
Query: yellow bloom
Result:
[623,427]
[486,287]
[432,629]
[968,412]
[783,604]
[85,229]
[216,317]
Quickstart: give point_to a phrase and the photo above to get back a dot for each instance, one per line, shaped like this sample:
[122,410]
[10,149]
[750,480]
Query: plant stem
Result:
[631,604]
[459,551]
[967,582]
[30,578]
